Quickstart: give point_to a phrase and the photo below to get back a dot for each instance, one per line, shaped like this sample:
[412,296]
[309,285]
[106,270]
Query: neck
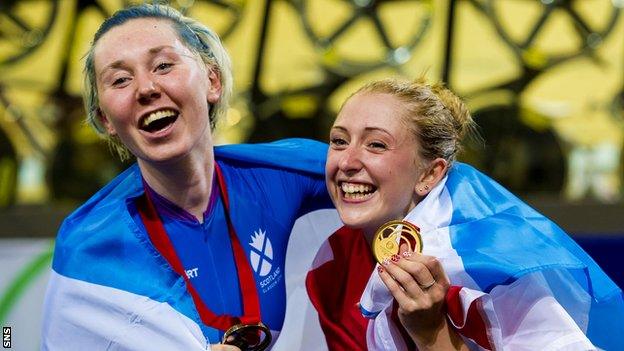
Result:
[187,182]
[369,234]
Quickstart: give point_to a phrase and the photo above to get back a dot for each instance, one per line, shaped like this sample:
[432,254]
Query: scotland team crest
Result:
[261,255]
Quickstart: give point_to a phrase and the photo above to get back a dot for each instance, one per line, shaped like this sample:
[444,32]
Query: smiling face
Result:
[154,93]
[373,167]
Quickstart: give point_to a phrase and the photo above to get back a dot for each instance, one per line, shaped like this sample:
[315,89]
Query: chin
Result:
[166,154]
[356,222]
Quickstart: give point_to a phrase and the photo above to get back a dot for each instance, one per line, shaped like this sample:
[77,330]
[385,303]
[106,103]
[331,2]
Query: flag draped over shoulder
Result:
[109,287]
[519,282]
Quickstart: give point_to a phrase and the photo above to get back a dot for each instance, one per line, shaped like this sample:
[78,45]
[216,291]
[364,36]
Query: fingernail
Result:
[380,269]
[395,258]
[385,262]
[407,254]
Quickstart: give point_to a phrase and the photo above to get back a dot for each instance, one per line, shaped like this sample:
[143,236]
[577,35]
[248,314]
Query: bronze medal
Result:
[248,337]
[391,235]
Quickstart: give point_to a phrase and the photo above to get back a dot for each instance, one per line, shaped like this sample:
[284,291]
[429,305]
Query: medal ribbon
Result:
[160,239]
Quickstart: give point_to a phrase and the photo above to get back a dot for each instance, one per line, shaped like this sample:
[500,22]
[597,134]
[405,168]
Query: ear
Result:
[110,129]
[213,93]
[433,174]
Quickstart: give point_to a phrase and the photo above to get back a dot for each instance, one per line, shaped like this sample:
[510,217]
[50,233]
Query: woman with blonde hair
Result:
[462,263]
[184,250]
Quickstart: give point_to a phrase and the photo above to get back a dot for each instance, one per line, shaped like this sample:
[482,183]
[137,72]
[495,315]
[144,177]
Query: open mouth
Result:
[158,120]
[357,191]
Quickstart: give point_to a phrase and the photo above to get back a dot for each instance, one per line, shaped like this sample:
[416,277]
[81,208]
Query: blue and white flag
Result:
[110,289]
[520,283]
[528,284]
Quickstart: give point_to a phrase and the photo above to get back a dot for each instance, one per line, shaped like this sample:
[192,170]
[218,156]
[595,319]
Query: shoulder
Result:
[462,172]
[477,195]
[102,244]
[298,155]
[285,176]
[98,224]
[513,238]
[110,198]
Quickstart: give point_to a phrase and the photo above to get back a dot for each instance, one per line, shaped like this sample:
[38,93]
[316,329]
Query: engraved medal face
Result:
[391,235]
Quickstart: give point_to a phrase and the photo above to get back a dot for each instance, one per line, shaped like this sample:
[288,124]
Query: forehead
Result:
[134,37]
[373,110]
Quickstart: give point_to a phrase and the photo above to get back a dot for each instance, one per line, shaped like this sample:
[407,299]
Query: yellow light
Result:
[233,117]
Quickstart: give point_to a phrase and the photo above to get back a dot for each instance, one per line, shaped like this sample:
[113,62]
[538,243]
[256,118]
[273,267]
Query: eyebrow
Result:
[160,48]
[368,129]
[120,63]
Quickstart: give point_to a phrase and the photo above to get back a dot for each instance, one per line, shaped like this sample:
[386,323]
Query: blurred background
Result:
[544,79]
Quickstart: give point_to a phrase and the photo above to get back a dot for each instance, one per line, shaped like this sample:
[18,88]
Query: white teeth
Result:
[154,116]
[359,189]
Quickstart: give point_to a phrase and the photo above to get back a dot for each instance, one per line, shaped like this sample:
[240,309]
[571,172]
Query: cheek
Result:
[114,104]
[195,98]
[192,84]
[396,176]
[331,164]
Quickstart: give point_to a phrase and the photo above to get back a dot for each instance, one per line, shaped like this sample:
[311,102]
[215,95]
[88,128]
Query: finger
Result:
[417,269]
[435,267]
[404,301]
[403,278]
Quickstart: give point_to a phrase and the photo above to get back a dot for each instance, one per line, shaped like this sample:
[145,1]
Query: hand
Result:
[419,284]
[221,347]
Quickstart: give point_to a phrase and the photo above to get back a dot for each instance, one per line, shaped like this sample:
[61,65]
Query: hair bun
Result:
[459,111]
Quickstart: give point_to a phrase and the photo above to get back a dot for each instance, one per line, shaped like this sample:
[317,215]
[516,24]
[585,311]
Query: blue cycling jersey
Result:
[103,247]
[205,249]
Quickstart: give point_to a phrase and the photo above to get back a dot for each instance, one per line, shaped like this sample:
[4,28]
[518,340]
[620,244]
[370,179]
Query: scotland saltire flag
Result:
[520,283]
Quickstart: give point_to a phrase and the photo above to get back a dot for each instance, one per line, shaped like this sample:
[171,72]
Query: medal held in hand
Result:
[391,235]
[248,337]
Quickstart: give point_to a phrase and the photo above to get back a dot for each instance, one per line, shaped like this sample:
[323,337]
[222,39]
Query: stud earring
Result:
[426,187]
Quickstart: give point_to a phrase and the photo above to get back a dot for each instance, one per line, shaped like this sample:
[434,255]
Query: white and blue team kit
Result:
[111,289]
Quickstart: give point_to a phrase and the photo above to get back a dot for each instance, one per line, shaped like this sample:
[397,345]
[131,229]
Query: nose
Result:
[147,90]
[351,160]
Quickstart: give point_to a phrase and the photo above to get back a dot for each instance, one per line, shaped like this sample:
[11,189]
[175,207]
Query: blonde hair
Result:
[198,38]
[439,119]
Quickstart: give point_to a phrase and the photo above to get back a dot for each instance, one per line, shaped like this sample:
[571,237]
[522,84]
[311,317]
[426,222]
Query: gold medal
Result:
[391,235]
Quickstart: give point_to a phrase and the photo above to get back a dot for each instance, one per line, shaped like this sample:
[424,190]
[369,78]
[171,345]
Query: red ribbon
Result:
[160,239]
